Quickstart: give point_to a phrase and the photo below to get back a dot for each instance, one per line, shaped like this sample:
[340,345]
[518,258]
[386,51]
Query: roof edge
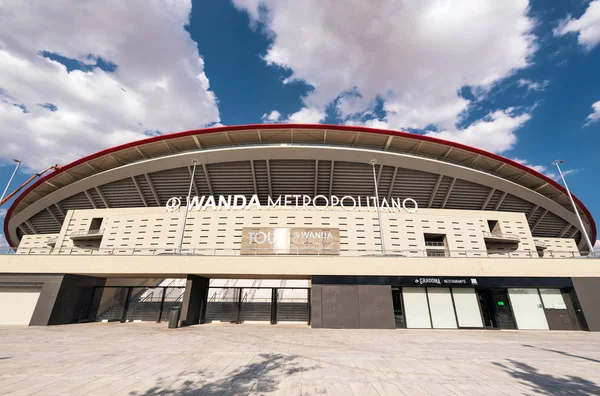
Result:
[293,126]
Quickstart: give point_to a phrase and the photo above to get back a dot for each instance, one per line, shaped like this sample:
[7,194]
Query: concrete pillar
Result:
[194,300]
[65,299]
[587,291]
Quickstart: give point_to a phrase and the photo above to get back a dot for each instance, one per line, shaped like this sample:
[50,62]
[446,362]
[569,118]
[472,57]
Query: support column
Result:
[587,291]
[65,299]
[194,300]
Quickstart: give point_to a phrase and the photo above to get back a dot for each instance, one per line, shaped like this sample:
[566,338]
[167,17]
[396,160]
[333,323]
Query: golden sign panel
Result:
[301,241]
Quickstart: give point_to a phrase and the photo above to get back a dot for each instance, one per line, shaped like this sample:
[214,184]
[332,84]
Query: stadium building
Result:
[286,224]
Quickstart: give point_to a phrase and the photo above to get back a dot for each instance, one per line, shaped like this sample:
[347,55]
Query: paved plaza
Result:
[149,359]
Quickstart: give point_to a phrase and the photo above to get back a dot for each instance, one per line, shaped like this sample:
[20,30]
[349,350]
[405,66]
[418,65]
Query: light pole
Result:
[19,162]
[381,236]
[583,231]
[187,202]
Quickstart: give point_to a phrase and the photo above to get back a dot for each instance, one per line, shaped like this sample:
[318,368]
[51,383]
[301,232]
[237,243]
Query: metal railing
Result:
[86,233]
[501,235]
[434,244]
[366,253]
[540,243]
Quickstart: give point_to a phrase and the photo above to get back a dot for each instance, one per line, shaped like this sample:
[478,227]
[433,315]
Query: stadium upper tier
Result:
[296,159]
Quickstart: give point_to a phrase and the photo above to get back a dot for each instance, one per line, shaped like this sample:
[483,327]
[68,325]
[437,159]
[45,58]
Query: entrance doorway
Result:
[496,309]
[398,308]
[258,304]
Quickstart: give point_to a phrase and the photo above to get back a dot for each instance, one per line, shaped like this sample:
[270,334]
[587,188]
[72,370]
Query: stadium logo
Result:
[305,202]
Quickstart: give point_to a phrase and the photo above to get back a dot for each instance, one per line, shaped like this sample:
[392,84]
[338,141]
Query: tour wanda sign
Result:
[285,241]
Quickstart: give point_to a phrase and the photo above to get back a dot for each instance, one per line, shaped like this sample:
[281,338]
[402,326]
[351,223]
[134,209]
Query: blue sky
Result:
[517,78]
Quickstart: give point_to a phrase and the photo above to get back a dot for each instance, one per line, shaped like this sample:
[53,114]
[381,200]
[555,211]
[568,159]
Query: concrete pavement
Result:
[149,359]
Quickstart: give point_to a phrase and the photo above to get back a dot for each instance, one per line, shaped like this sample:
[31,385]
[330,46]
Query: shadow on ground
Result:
[563,353]
[261,376]
[548,384]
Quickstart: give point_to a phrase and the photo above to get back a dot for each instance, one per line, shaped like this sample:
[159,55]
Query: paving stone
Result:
[137,359]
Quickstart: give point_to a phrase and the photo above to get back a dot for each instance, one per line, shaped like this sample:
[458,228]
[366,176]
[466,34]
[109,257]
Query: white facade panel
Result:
[442,309]
[416,307]
[17,304]
[467,307]
[528,310]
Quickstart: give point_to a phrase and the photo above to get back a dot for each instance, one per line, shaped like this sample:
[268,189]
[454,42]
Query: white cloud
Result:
[532,85]
[273,116]
[587,27]
[307,115]
[543,169]
[597,246]
[493,133]
[548,170]
[412,56]
[594,115]
[159,83]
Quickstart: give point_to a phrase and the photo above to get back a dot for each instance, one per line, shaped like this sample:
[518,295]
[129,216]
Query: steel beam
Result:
[207,176]
[23,231]
[31,227]
[447,152]
[60,210]
[532,212]
[504,194]
[139,190]
[269,178]
[92,167]
[198,144]
[331,178]
[474,159]
[388,142]
[168,147]
[518,179]
[539,220]
[582,245]
[392,183]
[574,233]
[102,197]
[316,177]
[487,199]
[418,146]
[498,168]
[435,190]
[154,193]
[540,187]
[140,152]
[253,177]
[564,230]
[87,194]
[115,158]
[52,184]
[54,217]
[259,136]
[448,192]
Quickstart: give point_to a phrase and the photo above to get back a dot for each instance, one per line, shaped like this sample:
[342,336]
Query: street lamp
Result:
[583,231]
[19,162]
[373,162]
[187,202]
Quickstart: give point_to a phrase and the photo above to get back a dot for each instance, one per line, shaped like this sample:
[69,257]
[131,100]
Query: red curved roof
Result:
[296,126]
